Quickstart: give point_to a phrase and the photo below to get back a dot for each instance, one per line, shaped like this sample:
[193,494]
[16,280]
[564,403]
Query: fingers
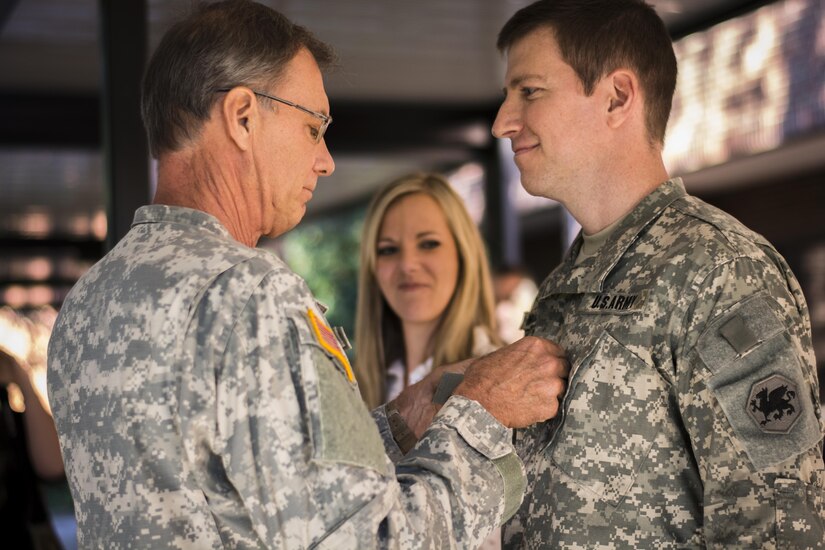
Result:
[520,384]
[543,402]
[551,348]
[543,394]
[558,386]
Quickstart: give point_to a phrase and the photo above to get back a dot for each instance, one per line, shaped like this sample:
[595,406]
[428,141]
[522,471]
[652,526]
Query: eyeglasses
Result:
[318,133]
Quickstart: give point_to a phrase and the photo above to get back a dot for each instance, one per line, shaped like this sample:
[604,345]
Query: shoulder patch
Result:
[326,337]
[757,378]
[773,404]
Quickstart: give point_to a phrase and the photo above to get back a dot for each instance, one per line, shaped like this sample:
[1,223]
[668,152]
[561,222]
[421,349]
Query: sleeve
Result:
[749,398]
[379,416]
[308,464]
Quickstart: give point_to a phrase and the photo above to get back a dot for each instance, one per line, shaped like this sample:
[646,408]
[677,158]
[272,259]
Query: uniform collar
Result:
[589,275]
[161,213]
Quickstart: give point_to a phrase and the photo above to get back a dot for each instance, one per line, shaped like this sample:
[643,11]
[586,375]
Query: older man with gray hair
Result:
[201,398]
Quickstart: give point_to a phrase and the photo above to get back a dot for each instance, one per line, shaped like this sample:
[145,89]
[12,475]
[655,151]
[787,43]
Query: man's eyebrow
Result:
[516,80]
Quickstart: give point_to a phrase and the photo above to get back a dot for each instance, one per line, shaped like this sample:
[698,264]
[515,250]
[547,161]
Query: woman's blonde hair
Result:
[378,329]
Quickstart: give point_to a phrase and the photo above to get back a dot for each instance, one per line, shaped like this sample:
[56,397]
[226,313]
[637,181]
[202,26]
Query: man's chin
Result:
[531,187]
[284,226]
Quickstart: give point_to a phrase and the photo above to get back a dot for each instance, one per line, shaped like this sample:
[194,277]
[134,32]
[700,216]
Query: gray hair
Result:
[220,45]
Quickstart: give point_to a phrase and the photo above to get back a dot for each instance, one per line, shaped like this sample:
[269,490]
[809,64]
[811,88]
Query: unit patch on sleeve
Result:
[326,337]
[773,404]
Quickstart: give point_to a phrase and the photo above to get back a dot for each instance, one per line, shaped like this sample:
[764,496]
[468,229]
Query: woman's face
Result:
[416,260]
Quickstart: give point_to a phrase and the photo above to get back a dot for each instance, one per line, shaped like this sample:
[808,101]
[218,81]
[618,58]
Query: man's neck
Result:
[607,199]
[192,182]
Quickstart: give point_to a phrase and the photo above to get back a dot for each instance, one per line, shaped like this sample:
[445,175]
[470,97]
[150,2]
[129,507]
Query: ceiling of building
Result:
[412,53]
[427,50]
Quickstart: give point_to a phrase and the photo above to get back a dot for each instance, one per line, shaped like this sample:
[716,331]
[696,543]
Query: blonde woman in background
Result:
[425,295]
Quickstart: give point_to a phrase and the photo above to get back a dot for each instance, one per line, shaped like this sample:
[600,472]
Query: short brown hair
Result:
[220,45]
[596,37]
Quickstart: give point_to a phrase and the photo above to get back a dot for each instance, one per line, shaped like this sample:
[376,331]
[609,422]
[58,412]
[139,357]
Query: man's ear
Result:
[239,112]
[623,96]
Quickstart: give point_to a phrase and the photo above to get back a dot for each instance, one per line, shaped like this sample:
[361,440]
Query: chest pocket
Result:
[341,427]
[615,408]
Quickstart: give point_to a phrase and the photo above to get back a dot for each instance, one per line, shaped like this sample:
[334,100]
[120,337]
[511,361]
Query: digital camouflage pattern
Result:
[673,332]
[197,409]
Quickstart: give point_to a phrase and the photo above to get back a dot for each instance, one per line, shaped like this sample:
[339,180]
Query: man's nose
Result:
[508,120]
[324,165]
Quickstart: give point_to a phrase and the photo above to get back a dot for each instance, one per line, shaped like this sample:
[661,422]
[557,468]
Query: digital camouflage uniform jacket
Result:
[202,402]
[692,415]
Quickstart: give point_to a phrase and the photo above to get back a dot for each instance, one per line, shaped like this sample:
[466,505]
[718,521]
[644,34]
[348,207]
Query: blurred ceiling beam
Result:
[40,121]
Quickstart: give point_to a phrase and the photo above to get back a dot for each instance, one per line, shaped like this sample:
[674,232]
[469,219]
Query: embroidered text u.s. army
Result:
[614,302]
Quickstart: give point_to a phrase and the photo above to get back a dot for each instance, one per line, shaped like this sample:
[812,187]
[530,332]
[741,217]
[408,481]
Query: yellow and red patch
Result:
[326,337]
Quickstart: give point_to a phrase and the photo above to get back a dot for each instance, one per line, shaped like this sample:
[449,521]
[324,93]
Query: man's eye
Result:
[386,250]
[527,91]
[313,131]
[429,244]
